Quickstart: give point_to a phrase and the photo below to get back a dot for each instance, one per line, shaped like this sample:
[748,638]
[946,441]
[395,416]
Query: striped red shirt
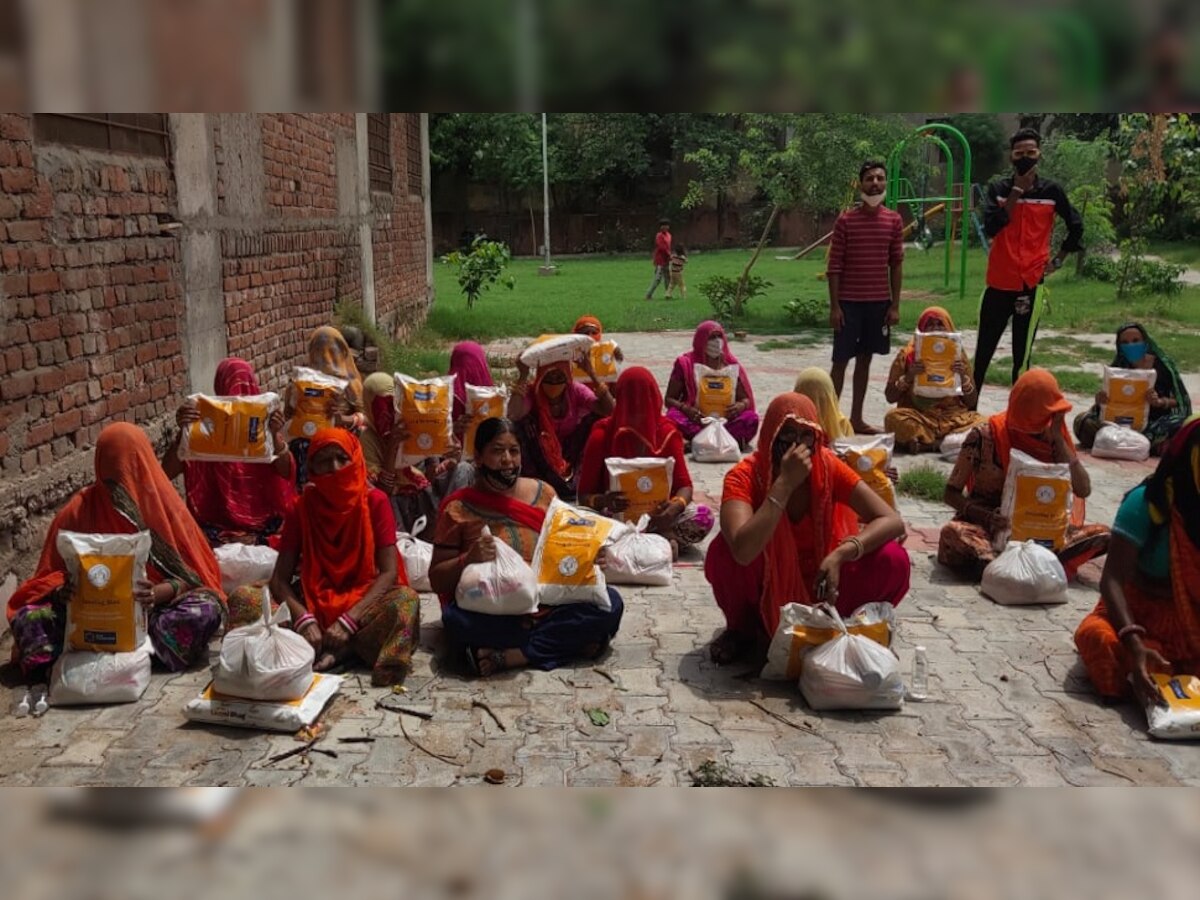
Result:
[864,245]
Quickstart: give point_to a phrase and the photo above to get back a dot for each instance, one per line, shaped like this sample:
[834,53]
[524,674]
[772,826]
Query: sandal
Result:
[496,657]
[729,647]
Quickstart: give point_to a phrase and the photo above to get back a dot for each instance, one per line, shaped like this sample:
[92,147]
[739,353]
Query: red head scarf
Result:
[685,364]
[131,493]
[235,496]
[469,363]
[337,561]
[1032,403]
[594,322]
[547,434]
[784,579]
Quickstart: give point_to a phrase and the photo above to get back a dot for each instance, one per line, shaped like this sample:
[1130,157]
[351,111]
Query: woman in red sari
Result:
[513,509]
[637,428]
[235,502]
[790,516]
[352,596]
[182,590]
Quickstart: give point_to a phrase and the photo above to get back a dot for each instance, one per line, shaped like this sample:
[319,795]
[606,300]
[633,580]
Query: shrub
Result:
[807,311]
[480,267]
[722,289]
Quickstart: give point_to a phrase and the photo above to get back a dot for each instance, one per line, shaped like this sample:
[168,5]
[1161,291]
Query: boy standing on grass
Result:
[662,258]
[866,256]
[675,270]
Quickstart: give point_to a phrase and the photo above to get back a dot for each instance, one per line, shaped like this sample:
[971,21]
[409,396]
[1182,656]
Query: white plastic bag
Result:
[102,614]
[283,715]
[870,455]
[243,564]
[851,671]
[938,350]
[1036,500]
[714,444]
[417,556]
[1025,573]
[1120,442]
[564,561]
[803,627]
[84,676]
[503,587]
[644,480]
[264,661]
[1128,396]
[636,557]
[952,445]
[231,429]
[1180,718]
[309,396]
[552,348]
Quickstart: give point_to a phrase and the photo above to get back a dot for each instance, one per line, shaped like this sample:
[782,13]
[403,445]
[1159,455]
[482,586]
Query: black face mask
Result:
[500,477]
[1024,164]
[779,448]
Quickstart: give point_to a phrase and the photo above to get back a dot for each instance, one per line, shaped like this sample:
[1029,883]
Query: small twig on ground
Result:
[705,722]
[412,740]
[404,710]
[356,740]
[476,741]
[288,754]
[481,704]
[783,719]
[605,674]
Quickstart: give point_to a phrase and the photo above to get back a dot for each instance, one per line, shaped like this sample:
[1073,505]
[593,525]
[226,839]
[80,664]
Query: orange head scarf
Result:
[930,313]
[594,322]
[784,579]
[1032,404]
[337,555]
[131,493]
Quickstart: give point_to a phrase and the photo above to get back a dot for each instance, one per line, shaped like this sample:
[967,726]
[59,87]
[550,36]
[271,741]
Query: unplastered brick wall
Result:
[398,235]
[89,316]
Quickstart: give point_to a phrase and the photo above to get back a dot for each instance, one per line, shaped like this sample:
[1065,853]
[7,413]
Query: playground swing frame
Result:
[896,195]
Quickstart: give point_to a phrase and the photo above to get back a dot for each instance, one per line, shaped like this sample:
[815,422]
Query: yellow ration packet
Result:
[604,362]
[938,350]
[310,397]
[715,389]
[426,409]
[1036,501]
[1128,403]
[870,456]
[102,613]
[802,627]
[231,429]
[482,403]
[564,561]
[644,480]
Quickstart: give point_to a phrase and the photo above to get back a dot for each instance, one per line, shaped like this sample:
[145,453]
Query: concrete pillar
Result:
[204,329]
[363,194]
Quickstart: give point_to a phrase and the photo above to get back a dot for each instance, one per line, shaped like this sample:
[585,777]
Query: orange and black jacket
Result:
[1020,233]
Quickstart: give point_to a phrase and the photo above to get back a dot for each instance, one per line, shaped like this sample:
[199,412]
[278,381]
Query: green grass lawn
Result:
[612,288]
[1182,253]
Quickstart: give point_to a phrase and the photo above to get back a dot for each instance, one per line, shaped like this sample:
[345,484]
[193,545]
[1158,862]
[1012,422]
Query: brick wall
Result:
[93,321]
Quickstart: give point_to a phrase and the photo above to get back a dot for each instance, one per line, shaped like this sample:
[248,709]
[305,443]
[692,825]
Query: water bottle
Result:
[919,689]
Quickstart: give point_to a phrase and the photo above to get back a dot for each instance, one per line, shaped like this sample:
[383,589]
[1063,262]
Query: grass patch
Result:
[796,343]
[423,354]
[711,773]
[923,482]
[1074,381]
[1181,253]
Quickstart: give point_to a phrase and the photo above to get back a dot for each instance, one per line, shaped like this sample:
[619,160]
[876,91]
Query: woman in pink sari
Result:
[468,365]
[709,348]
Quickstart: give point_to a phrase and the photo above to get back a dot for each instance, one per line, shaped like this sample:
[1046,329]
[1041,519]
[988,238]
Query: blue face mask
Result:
[1134,352]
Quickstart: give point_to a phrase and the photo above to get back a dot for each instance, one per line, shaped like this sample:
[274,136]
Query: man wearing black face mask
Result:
[1019,220]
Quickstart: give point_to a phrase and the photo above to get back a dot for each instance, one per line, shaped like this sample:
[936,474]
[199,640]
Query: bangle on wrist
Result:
[348,623]
[859,550]
[1129,629]
[303,622]
[771,499]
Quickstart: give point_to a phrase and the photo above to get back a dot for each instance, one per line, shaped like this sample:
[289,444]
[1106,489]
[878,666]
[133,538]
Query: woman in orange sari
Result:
[1035,424]
[352,596]
[1148,616]
[182,588]
[790,515]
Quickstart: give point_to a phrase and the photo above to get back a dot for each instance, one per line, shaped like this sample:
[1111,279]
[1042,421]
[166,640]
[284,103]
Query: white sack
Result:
[503,587]
[714,444]
[417,556]
[1119,442]
[85,676]
[290,716]
[263,661]
[243,564]
[636,557]
[1025,573]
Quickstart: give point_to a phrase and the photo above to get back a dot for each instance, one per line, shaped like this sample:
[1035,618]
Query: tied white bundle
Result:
[714,444]
[85,676]
[417,556]
[1025,573]
[1121,442]
[803,627]
[243,564]
[851,672]
[636,557]
[503,587]
[264,661]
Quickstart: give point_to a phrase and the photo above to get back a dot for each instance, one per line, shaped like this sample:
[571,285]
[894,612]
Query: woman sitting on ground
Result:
[709,348]
[1170,405]
[790,515]
[514,510]
[469,366]
[554,417]
[338,569]
[1035,425]
[329,353]
[235,502]
[414,491]
[182,588]
[1148,616]
[591,326]
[920,423]
[639,429]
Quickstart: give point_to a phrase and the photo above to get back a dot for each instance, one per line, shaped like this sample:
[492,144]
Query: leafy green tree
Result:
[1160,177]
[1082,168]
[480,268]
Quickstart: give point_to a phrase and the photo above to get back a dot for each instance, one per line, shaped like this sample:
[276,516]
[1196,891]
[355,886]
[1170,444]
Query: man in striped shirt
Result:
[866,257]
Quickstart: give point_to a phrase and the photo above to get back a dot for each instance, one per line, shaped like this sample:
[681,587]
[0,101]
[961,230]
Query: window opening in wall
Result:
[379,151]
[142,134]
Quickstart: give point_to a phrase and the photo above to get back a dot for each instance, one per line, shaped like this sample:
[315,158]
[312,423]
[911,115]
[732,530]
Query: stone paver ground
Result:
[1009,702]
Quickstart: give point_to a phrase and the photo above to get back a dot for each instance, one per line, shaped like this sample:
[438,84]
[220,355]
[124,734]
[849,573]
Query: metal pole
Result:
[545,197]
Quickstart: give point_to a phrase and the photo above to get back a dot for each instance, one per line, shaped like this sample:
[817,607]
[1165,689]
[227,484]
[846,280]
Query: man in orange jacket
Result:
[1018,218]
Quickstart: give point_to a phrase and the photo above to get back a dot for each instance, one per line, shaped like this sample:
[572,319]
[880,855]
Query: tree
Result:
[1160,178]
[1081,167]
[989,144]
[480,268]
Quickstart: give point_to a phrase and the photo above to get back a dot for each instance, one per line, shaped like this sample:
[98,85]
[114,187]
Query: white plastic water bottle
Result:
[919,688]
